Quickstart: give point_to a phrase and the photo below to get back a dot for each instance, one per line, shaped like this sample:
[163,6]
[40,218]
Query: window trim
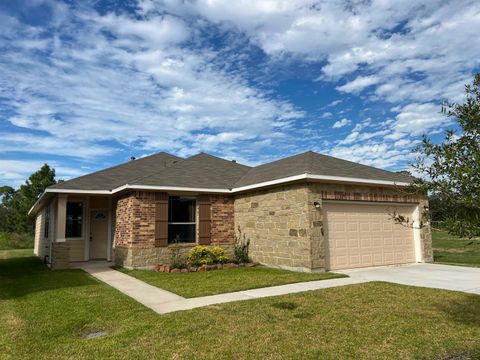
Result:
[83,220]
[195,237]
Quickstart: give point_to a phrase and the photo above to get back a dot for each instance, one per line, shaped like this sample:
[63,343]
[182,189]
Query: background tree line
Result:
[15,203]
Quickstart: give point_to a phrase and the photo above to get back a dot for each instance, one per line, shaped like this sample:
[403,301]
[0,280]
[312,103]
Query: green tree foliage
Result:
[15,204]
[451,169]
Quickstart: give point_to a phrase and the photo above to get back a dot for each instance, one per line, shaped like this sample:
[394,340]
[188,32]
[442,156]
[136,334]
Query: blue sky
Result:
[85,85]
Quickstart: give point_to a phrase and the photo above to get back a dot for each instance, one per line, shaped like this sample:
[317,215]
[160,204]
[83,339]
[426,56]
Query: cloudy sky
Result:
[87,84]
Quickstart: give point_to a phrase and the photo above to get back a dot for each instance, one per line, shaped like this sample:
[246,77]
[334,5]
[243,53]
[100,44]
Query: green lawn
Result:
[223,281]
[449,249]
[45,315]
[15,241]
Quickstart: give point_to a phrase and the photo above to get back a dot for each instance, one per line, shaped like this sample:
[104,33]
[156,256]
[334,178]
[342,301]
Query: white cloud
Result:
[418,119]
[15,172]
[359,84]
[341,123]
[83,83]
[130,81]
[408,54]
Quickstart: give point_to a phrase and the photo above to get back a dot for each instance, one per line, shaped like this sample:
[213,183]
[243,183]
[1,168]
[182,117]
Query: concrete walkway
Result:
[162,301]
[197,302]
[446,277]
[148,295]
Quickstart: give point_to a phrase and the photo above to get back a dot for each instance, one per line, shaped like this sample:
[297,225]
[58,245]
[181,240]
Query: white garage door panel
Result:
[361,235]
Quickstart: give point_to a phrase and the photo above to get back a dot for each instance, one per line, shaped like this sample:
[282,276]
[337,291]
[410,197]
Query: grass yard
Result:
[449,249]
[15,241]
[46,315]
[223,281]
[10,254]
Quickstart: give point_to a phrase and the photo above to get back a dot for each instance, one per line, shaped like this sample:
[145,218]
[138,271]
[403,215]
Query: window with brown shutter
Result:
[161,219]
[204,218]
[181,219]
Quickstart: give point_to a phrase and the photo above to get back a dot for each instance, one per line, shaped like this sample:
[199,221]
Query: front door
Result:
[98,234]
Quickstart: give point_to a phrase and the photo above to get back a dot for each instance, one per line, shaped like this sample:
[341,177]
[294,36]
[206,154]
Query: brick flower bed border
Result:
[203,268]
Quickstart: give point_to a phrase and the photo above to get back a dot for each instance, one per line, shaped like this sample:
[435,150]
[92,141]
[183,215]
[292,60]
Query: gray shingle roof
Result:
[316,164]
[119,175]
[210,172]
[199,171]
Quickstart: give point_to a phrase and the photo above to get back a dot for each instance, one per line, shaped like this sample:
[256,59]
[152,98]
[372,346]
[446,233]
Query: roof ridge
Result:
[113,167]
[173,164]
[217,157]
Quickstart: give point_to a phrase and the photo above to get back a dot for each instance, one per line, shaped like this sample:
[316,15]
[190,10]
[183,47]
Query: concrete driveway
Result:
[446,277]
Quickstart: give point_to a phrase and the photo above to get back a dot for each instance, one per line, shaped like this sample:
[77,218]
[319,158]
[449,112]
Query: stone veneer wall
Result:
[134,235]
[276,221]
[286,229]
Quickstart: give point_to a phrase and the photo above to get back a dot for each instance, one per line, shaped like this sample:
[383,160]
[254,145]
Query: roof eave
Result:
[288,179]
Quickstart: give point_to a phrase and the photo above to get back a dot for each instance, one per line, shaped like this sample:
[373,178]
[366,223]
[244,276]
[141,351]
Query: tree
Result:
[451,169]
[16,203]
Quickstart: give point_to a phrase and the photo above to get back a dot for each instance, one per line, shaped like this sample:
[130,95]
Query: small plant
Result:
[218,255]
[203,255]
[176,260]
[200,255]
[240,251]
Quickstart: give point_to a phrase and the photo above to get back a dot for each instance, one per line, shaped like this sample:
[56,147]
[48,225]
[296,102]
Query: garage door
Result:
[362,235]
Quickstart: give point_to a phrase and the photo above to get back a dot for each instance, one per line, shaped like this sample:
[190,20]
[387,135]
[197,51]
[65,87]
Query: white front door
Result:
[98,234]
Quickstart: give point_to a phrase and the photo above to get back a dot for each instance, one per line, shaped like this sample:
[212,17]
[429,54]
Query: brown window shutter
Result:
[161,219]
[204,218]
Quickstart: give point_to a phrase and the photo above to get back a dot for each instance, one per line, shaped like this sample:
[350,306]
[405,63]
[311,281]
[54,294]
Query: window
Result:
[181,219]
[46,227]
[74,221]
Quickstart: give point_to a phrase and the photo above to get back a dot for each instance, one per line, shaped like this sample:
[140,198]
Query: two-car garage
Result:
[364,234]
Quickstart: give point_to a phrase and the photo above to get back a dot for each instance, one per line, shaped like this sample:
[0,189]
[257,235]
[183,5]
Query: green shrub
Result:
[200,255]
[15,241]
[240,251]
[203,255]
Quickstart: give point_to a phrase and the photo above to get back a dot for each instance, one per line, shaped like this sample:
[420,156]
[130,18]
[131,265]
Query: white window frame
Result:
[194,223]
[83,219]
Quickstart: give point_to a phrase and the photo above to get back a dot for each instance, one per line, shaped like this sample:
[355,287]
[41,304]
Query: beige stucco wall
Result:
[285,228]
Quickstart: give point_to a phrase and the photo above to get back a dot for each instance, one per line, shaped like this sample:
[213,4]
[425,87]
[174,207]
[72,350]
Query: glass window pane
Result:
[74,220]
[185,233]
[181,209]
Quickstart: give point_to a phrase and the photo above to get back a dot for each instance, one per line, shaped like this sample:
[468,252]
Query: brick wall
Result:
[135,220]
[134,235]
[223,225]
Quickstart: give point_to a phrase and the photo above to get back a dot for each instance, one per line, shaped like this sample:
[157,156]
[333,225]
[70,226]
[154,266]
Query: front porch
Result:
[78,228]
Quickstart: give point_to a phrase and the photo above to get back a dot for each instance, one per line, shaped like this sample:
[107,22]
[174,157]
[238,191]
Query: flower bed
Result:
[202,268]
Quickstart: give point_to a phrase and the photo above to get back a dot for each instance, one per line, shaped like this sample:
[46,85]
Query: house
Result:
[308,212]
